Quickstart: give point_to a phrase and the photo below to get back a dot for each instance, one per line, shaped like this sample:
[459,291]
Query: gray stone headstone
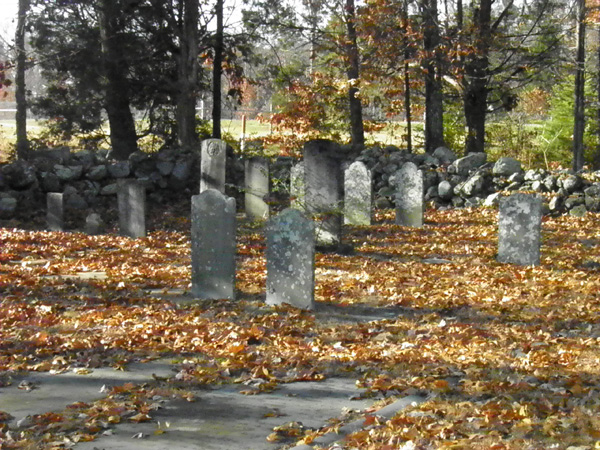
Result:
[213,245]
[358,194]
[131,197]
[256,188]
[297,191]
[55,211]
[212,165]
[94,224]
[290,257]
[408,181]
[323,182]
[519,229]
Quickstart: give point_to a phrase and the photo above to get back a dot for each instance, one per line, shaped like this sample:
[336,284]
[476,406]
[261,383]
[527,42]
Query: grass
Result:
[393,133]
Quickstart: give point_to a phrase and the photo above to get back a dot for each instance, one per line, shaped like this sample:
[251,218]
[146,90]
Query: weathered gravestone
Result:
[131,197]
[94,224]
[408,183]
[358,194]
[213,245]
[520,229]
[54,211]
[212,165]
[323,185]
[256,188]
[297,186]
[290,257]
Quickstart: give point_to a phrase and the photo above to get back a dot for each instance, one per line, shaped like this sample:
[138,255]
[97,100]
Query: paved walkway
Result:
[220,418]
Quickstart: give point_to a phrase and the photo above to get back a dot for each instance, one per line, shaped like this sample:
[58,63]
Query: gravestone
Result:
[290,257]
[408,183]
[520,229]
[212,165]
[131,197]
[55,211]
[323,184]
[257,188]
[213,245]
[94,224]
[297,186]
[358,194]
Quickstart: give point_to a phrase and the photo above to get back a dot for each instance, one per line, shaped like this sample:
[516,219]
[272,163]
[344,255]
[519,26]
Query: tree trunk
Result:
[20,93]
[476,82]
[579,112]
[123,136]
[217,72]
[434,117]
[188,68]
[357,132]
[407,101]
[596,162]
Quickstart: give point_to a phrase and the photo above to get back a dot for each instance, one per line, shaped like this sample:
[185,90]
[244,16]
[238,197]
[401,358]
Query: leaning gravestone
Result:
[358,194]
[131,197]
[520,229]
[323,183]
[297,186]
[257,188]
[290,257]
[54,211]
[213,245]
[408,182]
[212,165]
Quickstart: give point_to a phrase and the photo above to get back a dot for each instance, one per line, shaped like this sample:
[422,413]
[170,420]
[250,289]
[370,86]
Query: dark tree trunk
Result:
[20,93]
[407,101]
[188,67]
[434,117]
[579,112]
[596,162]
[357,132]
[123,136]
[476,82]
[217,72]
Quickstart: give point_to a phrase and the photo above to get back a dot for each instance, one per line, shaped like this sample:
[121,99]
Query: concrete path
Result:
[220,419]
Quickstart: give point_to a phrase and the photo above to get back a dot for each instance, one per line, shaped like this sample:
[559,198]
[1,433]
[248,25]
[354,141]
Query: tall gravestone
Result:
[55,211]
[212,165]
[323,186]
[213,245]
[408,183]
[256,188]
[358,194]
[297,190]
[131,197]
[520,229]
[290,257]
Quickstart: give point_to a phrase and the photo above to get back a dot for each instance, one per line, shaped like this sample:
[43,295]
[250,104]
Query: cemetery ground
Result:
[507,356]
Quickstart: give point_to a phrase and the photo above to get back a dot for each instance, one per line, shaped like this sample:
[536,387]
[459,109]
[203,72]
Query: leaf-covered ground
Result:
[508,355]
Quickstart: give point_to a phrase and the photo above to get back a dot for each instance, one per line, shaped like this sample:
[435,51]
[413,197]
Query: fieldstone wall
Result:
[88,179]
[473,181]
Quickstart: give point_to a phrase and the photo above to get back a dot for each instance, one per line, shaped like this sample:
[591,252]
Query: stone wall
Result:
[89,180]
[473,181]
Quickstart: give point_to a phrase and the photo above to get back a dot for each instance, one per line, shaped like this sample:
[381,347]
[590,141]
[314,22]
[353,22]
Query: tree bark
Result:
[475,79]
[407,102]
[579,111]
[20,88]
[357,132]
[434,113]
[123,136]
[596,162]
[188,67]
[217,72]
